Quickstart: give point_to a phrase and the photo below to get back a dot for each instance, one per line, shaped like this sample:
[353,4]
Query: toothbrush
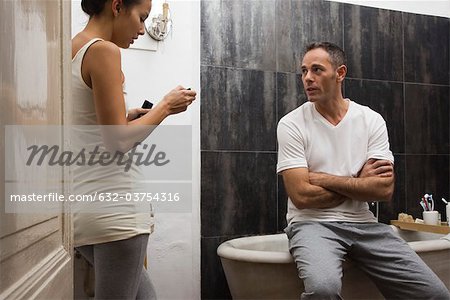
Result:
[425,203]
[432,202]
[423,206]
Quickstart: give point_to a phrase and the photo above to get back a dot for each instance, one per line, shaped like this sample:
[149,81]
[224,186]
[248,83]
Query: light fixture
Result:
[159,27]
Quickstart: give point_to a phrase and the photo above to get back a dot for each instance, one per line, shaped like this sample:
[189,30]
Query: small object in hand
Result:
[147,104]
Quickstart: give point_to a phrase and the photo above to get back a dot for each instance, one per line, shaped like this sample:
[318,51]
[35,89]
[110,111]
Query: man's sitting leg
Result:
[318,251]
[395,268]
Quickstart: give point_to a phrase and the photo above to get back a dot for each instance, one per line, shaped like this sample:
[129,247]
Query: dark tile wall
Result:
[426,123]
[398,65]
[213,283]
[426,49]
[240,113]
[373,43]
[323,19]
[238,188]
[238,34]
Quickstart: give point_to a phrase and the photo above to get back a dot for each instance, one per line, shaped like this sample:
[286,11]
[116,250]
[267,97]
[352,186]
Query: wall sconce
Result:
[159,27]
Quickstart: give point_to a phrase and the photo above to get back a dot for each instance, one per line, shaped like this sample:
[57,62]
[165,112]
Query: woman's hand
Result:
[135,112]
[178,99]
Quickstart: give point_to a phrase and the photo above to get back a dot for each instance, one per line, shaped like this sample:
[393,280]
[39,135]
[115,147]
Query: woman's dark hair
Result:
[95,7]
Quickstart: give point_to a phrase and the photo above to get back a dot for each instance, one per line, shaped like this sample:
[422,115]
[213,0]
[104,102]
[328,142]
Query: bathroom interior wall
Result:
[174,247]
[431,7]
[398,65]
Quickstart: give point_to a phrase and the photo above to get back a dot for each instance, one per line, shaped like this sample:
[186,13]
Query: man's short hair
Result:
[337,55]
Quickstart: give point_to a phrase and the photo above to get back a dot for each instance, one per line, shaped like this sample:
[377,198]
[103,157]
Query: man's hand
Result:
[376,167]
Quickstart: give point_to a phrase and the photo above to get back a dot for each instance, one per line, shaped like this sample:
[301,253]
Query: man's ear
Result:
[341,72]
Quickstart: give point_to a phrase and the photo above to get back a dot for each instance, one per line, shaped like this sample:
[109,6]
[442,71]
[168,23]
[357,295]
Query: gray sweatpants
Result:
[319,249]
[119,269]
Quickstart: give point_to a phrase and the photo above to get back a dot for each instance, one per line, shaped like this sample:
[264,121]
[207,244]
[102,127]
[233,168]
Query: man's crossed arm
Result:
[307,189]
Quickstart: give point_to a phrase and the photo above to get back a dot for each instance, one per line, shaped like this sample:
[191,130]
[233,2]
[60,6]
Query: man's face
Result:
[319,76]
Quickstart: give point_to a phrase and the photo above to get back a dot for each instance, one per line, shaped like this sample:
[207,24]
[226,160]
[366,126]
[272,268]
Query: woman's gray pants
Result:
[119,268]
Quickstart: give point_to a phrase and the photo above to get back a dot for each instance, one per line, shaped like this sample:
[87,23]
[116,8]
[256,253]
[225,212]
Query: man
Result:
[334,157]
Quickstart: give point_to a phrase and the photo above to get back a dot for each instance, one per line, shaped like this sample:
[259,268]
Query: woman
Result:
[113,242]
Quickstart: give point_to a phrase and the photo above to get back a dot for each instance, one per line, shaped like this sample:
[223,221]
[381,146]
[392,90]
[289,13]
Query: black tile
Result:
[427,119]
[238,193]
[238,33]
[290,93]
[386,98]
[282,205]
[389,210]
[426,174]
[213,281]
[300,22]
[426,49]
[238,110]
[373,43]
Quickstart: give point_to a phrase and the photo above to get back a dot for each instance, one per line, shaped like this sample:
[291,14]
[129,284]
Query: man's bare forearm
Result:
[317,197]
[312,196]
[373,188]
[305,195]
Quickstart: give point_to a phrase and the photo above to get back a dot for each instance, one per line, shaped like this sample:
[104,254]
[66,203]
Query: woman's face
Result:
[129,23]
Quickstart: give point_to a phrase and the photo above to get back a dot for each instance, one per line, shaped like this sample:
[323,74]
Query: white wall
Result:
[425,7]
[174,247]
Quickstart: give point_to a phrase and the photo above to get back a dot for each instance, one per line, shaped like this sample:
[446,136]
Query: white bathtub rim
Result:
[429,246]
[230,250]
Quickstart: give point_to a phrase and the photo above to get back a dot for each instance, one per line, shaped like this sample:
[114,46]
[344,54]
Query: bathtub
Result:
[261,267]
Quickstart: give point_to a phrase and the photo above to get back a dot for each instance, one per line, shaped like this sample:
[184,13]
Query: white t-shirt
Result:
[307,140]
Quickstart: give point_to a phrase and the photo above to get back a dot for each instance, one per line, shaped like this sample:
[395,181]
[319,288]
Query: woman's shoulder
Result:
[97,57]
[100,48]
[104,50]
[103,56]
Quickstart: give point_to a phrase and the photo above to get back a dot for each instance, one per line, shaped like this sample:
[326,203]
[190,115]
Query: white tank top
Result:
[102,226]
